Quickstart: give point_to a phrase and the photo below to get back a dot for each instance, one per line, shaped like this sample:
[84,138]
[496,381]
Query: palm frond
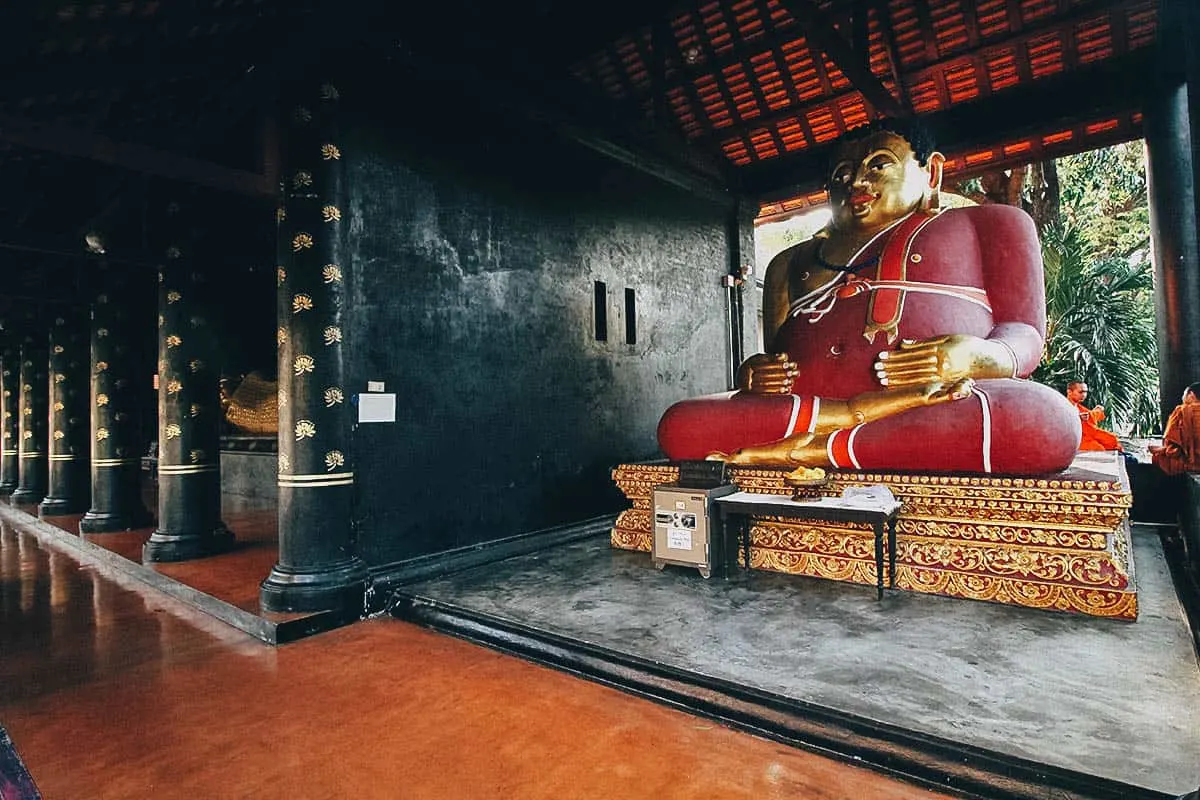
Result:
[1100,328]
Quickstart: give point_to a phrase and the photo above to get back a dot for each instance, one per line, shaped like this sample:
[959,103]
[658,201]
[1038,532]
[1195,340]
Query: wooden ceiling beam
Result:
[1016,41]
[666,46]
[820,31]
[884,10]
[760,100]
[70,142]
[1115,86]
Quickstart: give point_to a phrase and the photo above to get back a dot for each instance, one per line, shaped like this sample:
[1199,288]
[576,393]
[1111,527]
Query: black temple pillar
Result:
[34,393]
[10,415]
[189,467]
[1172,130]
[318,567]
[69,487]
[116,464]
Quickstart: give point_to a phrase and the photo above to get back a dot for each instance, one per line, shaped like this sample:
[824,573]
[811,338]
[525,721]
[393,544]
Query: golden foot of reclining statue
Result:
[802,449]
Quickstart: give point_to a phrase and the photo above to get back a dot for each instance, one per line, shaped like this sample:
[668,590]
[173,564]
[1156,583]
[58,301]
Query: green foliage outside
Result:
[1100,329]
[1099,288]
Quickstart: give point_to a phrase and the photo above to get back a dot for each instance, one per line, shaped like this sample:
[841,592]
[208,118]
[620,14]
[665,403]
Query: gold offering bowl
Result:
[806,483]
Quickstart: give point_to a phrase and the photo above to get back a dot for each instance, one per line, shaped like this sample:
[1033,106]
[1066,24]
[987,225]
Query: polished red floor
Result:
[111,690]
[233,576]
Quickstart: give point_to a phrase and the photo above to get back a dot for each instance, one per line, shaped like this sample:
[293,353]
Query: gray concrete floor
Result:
[1114,699]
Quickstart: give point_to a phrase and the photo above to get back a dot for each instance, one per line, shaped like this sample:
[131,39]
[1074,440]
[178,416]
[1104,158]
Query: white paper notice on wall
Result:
[375,386]
[377,407]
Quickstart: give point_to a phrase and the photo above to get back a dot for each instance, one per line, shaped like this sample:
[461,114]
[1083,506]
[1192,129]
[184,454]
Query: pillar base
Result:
[338,587]
[59,507]
[163,546]
[112,521]
[7,488]
[26,497]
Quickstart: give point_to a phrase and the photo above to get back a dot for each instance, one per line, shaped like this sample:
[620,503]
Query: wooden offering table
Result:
[879,515]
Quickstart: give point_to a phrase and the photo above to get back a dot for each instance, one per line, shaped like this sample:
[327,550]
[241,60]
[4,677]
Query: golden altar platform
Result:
[1057,541]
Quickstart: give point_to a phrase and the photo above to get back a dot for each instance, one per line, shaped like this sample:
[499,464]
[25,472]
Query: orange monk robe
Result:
[1094,438]
[1181,441]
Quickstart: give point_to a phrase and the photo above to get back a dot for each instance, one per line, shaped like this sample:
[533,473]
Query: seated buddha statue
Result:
[899,336]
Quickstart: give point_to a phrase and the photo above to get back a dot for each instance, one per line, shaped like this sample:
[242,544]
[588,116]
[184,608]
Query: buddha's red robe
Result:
[974,270]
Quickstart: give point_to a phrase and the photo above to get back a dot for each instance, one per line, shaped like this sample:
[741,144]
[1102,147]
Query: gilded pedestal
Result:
[1055,542]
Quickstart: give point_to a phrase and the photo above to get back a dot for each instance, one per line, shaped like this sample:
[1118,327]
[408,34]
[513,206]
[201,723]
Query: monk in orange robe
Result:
[1094,437]
[899,337]
[1180,451]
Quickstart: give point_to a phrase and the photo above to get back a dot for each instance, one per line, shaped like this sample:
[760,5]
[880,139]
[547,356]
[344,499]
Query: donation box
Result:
[683,528]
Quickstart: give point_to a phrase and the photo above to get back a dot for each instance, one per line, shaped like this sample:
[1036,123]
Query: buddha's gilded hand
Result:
[767,373]
[943,359]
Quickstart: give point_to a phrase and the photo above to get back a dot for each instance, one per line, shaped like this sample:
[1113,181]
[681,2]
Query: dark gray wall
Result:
[474,251]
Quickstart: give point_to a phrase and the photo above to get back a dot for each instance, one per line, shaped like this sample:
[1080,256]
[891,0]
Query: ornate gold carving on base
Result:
[1051,543]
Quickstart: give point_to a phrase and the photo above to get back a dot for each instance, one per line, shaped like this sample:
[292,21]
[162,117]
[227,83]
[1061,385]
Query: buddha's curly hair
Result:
[918,135]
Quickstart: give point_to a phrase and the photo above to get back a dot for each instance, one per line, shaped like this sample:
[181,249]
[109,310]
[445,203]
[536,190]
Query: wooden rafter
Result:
[1111,87]
[820,30]
[67,141]
[666,40]
[883,9]
[755,89]
[935,71]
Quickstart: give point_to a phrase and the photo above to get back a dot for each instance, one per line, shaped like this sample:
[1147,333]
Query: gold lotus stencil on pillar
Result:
[330,152]
[101,434]
[332,335]
[333,396]
[305,429]
[195,365]
[280,276]
[172,431]
[302,179]
[301,302]
[174,341]
[304,364]
[285,463]
[301,241]
[331,213]
[334,459]
[331,273]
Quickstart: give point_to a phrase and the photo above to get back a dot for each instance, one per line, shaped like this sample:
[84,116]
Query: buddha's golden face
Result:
[875,181]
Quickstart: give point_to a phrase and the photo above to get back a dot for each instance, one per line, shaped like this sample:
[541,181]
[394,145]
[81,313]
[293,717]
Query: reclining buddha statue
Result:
[899,336]
[251,404]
